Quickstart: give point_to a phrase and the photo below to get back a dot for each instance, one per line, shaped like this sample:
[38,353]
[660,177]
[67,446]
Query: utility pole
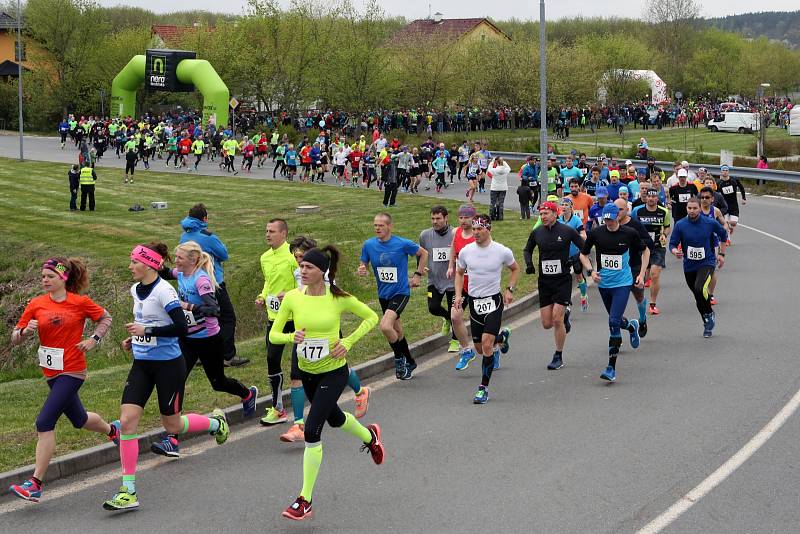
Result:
[19,77]
[542,101]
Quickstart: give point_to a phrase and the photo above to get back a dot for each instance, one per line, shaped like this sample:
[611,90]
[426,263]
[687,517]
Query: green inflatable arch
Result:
[189,72]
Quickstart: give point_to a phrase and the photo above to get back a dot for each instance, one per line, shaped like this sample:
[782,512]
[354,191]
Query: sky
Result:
[497,9]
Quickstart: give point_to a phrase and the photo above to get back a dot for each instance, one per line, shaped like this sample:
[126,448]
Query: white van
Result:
[734,122]
[794,121]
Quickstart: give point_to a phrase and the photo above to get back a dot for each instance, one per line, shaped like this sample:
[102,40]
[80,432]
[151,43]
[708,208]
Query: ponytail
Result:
[334,255]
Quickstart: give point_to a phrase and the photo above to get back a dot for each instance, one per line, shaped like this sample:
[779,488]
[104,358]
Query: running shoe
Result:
[567,324]
[713,300]
[410,367]
[502,339]
[166,447]
[454,346]
[633,328]
[728,242]
[481,396]
[28,490]
[122,500]
[116,431]
[295,433]
[496,359]
[708,324]
[401,370]
[654,309]
[249,405]
[445,327]
[642,329]
[375,446]
[299,510]
[362,403]
[222,433]
[556,363]
[467,355]
[609,374]
[585,303]
[648,283]
[274,417]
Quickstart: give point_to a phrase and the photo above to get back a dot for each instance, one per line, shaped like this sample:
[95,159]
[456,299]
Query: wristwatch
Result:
[97,339]
[417,273]
[510,289]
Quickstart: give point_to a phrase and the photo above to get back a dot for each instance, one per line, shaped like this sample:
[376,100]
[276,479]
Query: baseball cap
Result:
[702,169]
[724,168]
[628,162]
[684,163]
[651,158]
[552,206]
[683,172]
[601,192]
[610,211]
[552,198]
[624,189]
[614,173]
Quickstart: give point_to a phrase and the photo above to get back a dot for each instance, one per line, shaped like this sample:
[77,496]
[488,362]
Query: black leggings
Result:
[435,303]
[323,392]
[209,350]
[698,282]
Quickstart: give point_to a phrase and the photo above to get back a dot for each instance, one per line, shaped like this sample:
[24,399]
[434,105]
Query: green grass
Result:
[37,224]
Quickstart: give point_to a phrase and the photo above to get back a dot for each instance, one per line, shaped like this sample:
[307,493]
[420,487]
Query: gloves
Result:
[530,269]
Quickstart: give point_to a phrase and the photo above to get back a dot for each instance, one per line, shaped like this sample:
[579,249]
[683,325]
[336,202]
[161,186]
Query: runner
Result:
[680,193]
[657,221]
[485,259]
[157,363]
[198,147]
[197,287]
[728,187]
[316,311]
[635,261]
[557,240]
[708,209]
[277,265]
[388,254]
[462,236]
[438,241]
[59,317]
[614,245]
[693,241]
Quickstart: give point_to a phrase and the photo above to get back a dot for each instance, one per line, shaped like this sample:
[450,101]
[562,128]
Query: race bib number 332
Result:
[387,275]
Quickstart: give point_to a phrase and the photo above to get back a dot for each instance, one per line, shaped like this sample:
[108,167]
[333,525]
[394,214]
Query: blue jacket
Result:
[197,231]
[697,241]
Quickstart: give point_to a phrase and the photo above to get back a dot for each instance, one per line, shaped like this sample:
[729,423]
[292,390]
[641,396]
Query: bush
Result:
[777,148]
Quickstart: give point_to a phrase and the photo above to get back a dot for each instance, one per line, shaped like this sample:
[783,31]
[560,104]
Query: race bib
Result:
[190,320]
[484,306]
[683,197]
[652,235]
[612,262]
[579,213]
[387,275]
[144,341]
[313,349]
[441,254]
[51,358]
[727,190]
[273,303]
[696,253]
[551,267]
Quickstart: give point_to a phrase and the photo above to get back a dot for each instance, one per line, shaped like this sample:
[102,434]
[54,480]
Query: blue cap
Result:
[624,189]
[601,192]
[724,168]
[610,211]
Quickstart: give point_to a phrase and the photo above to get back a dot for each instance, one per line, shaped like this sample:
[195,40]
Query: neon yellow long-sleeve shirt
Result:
[278,267]
[320,317]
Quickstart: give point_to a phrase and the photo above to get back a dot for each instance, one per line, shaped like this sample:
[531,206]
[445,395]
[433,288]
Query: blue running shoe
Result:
[400,369]
[467,355]
[708,324]
[116,432]
[410,367]
[481,396]
[249,405]
[556,363]
[609,374]
[496,359]
[633,328]
[502,340]
[28,490]
[166,447]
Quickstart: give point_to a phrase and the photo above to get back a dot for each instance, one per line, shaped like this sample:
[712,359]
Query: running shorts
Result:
[167,376]
[482,322]
[555,290]
[575,263]
[658,257]
[397,303]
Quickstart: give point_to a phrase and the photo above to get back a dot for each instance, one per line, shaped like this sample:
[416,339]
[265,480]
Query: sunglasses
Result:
[706,198]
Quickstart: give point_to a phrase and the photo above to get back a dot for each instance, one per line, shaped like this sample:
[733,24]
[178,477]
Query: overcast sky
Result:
[498,9]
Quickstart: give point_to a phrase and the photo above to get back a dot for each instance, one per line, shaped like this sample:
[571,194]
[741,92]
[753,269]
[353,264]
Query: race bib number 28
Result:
[441,254]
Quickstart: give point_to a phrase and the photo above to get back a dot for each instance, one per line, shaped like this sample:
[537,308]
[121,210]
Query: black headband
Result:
[317,258]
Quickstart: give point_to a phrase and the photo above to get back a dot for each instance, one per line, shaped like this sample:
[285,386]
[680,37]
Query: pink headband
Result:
[147,256]
[57,267]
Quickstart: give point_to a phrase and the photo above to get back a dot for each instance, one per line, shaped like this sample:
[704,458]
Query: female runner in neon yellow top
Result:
[316,310]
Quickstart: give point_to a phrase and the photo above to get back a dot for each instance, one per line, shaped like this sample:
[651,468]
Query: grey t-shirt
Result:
[438,247]
[485,266]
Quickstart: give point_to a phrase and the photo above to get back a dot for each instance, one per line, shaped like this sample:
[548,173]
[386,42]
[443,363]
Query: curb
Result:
[99,455]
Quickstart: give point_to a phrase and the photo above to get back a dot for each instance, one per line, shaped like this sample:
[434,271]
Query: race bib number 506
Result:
[612,262]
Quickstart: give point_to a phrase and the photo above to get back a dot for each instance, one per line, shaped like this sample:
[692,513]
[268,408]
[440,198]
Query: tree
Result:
[675,23]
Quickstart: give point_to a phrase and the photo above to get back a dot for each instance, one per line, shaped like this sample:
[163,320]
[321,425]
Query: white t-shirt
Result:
[154,310]
[485,267]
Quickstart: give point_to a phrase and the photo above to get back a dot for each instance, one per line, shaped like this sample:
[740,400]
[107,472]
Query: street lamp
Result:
[19,75]
[762,122]
[543,100]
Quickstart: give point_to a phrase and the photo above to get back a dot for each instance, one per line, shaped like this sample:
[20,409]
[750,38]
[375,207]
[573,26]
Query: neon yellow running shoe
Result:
[455,346]
[274,417]
[122,500]
[445,327]
[224,430]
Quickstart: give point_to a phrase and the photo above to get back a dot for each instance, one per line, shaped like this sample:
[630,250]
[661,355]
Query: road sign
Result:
[234,103]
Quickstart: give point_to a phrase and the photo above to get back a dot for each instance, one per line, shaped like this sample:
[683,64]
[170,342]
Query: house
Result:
[9,62]
[168,37]
[447,31]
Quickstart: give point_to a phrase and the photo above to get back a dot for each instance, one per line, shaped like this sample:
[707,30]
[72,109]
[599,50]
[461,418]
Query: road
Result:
[551,452]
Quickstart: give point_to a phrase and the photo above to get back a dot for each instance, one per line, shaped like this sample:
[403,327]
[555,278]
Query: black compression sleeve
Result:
[178,328]
[527,253]
[209,307]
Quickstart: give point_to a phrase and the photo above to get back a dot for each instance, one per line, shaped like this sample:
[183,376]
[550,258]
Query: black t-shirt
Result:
[636,260]
[553,243]
[728,190]
[680,195]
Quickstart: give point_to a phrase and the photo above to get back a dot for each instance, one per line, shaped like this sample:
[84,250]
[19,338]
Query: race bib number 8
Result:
[144,341]
[551,267]
[612,262]
[313,349]
[696,253]
[273,303]
[485,306]
[441,254]
[51,358]
[387,275]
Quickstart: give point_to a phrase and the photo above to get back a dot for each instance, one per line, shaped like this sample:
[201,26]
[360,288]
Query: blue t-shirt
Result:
[576,223]
[697,241]
[291,157]
[389,261]
[613,190]
[567,173]
[634,188]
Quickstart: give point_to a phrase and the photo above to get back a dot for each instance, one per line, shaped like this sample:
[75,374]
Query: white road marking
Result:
[734,462]
[196,447]
[783,198]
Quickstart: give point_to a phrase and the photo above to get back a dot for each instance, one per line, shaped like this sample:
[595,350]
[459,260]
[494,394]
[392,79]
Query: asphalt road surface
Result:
[551,452]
